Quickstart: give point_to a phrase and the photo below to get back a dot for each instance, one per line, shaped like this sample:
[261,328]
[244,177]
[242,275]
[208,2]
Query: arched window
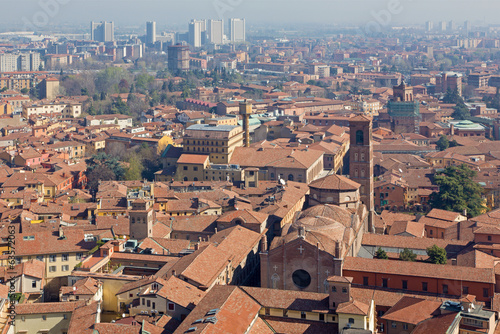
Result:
[362,172]
[275,278]
[362,157]
[195,179]
[360,137]
[185,178]
[356,173]
[355,156]
[290,177]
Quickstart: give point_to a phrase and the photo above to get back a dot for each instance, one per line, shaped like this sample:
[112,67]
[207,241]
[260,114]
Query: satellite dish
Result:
[400,170]
[283,182]
[124,315]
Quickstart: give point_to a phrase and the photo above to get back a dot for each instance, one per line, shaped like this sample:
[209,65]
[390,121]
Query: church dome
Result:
[327,213]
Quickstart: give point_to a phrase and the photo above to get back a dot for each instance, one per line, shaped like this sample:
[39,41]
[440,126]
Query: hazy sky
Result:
[167,12]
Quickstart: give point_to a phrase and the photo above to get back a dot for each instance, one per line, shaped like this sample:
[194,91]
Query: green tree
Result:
[458,191]
[443,143]
[407,255]
[437,254]
[452,96]
[25,91]
[134,171]
[143,81]
[381,254]
[461,112]
[102,167]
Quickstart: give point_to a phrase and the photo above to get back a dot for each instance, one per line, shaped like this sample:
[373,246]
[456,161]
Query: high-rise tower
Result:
[361,161]
[102,32]
[151,32]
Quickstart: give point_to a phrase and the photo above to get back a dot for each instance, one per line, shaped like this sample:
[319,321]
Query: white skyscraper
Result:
[102,32]
[215,31]
[237,30]
[429,25]
[151,32]
[197,29]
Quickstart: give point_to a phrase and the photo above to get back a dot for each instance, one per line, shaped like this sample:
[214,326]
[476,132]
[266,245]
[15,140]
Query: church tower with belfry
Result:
[404,110]
[361,162]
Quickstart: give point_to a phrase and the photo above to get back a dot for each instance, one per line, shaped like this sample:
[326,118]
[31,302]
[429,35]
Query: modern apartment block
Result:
[102,32]
[20,61]
[237,30]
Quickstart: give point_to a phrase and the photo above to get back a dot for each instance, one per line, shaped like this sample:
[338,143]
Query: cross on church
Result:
[301,249]
[327,272]
[275,267]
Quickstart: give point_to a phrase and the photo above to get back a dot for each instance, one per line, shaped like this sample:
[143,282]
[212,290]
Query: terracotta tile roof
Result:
[248,216]
[237,242]
[42,308]
[141,283]
[290,300]
[391,217]
[31,268]
[436,325]
[181,293]
[340,279]
[492,218]
[207,266]
[260,327]
[353,307]
[443,215]
[299,326]
[192,159]
[418,269]
[165,246]
[113,328]
[49,242]
[383,240]
[119,224]
[205,223]
[416,229]
[492,230]
[277,157]
[236,312]
[86,286]
[427,221]
[412,310]
[335,182]
[83,318]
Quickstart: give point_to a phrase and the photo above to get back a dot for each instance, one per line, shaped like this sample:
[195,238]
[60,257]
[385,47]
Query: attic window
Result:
[191,329]
[29,237]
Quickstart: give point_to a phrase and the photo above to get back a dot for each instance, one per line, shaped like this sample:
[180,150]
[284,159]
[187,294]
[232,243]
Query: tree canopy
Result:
[461,112]
[102,167]
[443,143]
[452,96]
[407,255]
[381,254]
[458,191]
[437,255]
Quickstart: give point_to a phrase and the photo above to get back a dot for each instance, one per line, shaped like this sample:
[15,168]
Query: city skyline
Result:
[357,12]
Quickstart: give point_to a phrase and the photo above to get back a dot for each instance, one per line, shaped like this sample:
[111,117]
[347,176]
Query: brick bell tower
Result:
[361,162]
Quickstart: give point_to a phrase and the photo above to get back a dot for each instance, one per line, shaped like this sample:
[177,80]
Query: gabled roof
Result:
[412,310]
[335,182]
[353,307]
[181,293]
